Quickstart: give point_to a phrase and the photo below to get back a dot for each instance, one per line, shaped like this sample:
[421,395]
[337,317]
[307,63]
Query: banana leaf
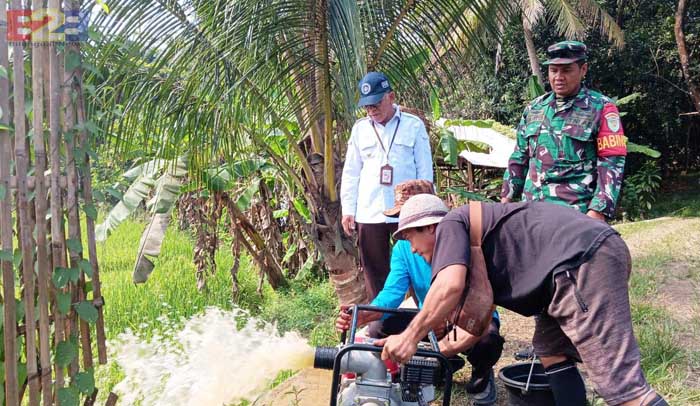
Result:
[137,192]
[167,191]
[450,147]
[534,88]
[642,149]
[150,245]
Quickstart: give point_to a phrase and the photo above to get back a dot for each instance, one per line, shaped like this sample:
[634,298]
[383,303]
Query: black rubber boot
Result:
[566,384]
[656,401]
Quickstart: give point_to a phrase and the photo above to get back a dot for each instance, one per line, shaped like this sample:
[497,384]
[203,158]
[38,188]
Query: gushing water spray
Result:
[210,361]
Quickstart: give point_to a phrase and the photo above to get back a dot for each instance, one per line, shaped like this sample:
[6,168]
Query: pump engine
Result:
[361,378]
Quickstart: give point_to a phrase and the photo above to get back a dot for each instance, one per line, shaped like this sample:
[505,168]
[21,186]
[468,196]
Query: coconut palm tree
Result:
[572,18]
[214,77]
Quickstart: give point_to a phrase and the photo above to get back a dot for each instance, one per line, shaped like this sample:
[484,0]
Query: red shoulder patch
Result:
[611,137]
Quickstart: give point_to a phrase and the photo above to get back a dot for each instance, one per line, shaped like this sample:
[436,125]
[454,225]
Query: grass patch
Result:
[664,361]
[171,290]
[666,252]
[308,307]
[642,285]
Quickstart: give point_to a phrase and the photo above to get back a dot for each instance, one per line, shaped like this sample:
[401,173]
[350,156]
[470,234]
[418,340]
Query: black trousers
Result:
[374,243]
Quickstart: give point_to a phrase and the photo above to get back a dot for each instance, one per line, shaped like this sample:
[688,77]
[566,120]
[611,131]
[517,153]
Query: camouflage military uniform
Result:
[572,154]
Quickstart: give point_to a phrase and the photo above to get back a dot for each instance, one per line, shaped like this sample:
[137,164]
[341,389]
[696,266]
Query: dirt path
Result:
[310,387]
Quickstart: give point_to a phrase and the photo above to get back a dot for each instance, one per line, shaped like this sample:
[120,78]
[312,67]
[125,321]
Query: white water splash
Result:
[209,362]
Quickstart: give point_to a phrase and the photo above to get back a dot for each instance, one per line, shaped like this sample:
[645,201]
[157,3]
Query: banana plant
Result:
[158,184]
[161,180]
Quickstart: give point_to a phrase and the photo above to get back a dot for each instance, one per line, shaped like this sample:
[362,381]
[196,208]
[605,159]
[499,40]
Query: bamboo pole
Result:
[90,224]
[25,229]
[40,207]
[31,181]
[71,202]
[22,329]
[8,277]
[78,327]
[58,245]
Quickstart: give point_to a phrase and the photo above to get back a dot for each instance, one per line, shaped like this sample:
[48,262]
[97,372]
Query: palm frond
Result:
[570,18]
[532,12]
[192,72]
[594,13]
[567,20]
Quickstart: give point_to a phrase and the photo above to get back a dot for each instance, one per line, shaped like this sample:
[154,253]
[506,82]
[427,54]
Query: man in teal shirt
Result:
[410,272]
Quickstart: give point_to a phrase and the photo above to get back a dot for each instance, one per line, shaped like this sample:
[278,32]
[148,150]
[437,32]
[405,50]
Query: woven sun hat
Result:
[404,190]
[419,211]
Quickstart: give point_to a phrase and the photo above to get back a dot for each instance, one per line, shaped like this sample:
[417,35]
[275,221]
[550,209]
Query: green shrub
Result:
[639,191]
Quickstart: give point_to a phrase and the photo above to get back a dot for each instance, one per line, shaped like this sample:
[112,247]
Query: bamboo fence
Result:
[43,268]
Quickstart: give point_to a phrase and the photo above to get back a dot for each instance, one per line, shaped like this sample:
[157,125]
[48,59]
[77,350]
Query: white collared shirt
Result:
[361,194]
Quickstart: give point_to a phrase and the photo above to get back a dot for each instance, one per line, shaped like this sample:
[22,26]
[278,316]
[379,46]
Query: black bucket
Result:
[515,379]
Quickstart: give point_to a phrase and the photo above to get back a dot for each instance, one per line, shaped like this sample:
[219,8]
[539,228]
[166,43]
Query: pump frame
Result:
[435,353]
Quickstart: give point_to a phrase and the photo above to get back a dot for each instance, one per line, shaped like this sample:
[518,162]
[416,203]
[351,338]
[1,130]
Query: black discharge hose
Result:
[325,357]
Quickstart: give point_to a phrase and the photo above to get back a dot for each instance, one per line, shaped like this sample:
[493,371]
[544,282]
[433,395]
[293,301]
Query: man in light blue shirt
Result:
[409,270]
[385,148]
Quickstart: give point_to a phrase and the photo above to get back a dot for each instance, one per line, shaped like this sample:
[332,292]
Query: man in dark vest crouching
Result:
[540,259]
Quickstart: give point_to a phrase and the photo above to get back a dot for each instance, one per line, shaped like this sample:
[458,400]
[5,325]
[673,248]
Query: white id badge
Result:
[386,175]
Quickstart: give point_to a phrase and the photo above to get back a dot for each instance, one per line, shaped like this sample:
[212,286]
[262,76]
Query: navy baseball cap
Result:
[372,88]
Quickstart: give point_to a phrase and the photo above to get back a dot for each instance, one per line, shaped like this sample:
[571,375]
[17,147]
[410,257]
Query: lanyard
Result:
[392,137]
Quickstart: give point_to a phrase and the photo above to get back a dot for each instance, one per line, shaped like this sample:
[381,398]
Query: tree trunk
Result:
[693,87]
[620,11]
[323,91]
[532,51]
[339,252]
[499,54]
[257,248]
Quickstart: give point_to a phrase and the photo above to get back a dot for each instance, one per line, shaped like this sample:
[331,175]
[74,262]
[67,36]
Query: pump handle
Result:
[344,334]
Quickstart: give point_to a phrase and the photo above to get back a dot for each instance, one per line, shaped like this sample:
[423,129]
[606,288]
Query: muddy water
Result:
[209,361]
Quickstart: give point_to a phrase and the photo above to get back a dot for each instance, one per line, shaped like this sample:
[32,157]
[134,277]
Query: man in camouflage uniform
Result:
[570,150]
[570,146]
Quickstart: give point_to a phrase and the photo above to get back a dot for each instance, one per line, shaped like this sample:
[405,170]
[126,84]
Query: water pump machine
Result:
[361,378]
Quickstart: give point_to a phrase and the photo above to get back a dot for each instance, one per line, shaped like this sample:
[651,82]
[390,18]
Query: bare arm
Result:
[442,298]
[344,320]
[449,346]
